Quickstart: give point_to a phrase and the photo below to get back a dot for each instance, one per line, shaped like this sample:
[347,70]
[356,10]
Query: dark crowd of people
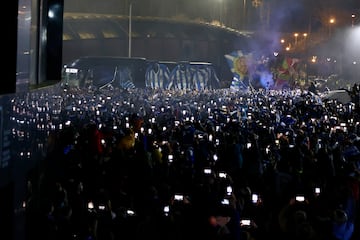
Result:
[214,164]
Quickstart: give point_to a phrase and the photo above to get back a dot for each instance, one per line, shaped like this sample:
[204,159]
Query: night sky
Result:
[288,15]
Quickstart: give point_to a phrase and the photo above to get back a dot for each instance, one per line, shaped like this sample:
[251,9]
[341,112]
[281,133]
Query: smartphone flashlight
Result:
[130,212]
[102,207]
[254,198]
[300,198]
[222,175]
[245,222]
[90,205]
[170,158]
[178,197]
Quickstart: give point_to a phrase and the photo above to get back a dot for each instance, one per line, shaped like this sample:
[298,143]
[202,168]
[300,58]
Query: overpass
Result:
[160,39]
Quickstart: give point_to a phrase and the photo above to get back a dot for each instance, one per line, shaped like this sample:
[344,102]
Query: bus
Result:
[98,72]
[104,71]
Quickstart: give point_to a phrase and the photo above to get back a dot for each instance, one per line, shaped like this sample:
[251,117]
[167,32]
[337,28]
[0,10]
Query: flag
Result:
[127,85]
[239,65]
[285,72]
[204,76]
[181,77]
[122,78]
[157,76]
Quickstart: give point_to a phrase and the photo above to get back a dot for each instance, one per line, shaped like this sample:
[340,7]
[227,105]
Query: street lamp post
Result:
[220,12]
[244,14]
[305,39]
[352,19]
[296,37]
[331,22]
[305,35]
[130,28]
